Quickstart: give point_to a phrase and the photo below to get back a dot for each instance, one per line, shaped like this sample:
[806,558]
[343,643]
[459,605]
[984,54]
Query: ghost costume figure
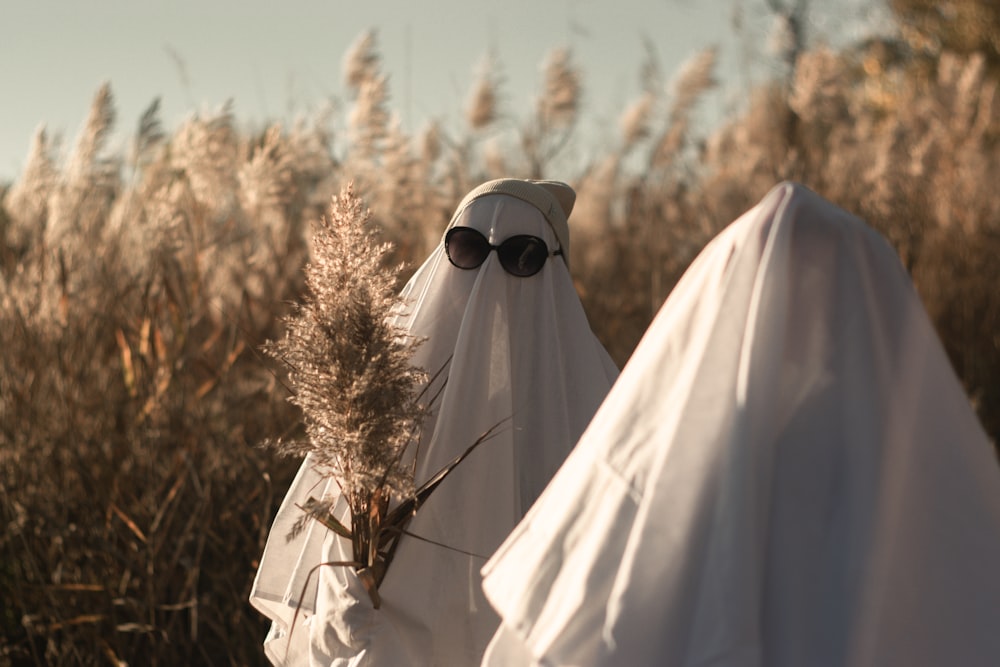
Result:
[786,473]
[518,352]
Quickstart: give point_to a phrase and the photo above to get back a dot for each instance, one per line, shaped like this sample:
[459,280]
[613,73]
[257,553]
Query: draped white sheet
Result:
[523,356]
[786,474]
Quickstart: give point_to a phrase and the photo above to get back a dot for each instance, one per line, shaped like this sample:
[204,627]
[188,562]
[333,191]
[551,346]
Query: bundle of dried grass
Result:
[362,399]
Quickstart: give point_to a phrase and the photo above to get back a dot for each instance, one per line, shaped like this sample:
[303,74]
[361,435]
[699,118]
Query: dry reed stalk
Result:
[559,103]
[482,108]
[27,200]
[350,374]
[635,121]
[362,61]
[369,119]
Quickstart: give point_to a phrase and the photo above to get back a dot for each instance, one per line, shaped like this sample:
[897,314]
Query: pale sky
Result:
[275,60]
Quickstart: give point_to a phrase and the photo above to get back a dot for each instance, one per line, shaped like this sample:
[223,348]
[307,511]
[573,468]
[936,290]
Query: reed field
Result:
[138,287]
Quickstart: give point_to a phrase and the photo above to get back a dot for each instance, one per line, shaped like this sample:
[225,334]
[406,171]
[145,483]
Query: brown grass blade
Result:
[411,505]
[128,522]
[327,519]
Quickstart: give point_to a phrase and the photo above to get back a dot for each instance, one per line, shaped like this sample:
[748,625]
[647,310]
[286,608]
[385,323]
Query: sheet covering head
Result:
[518,352]
[787,473]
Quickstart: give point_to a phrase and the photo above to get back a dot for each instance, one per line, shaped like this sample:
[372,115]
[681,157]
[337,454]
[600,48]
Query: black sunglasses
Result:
[520,255]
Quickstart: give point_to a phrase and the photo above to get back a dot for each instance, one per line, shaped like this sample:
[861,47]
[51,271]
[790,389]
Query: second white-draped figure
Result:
[497,307]
[787,473]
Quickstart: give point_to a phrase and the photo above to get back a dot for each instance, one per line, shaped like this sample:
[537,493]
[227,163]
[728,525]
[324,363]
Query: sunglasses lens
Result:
[466,247]
[523,256]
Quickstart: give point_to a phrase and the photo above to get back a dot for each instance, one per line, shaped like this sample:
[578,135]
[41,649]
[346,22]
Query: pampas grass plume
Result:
[349,366]
[561,91]
[482,108]
[362,61]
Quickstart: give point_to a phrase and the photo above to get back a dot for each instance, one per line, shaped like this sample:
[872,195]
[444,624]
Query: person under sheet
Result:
[497,307]
[787,473]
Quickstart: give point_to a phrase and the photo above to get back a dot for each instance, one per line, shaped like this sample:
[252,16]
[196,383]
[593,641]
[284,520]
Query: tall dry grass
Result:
[137,288]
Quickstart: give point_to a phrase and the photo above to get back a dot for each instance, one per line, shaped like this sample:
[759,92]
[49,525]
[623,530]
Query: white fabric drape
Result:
[786,474]
[522,355]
